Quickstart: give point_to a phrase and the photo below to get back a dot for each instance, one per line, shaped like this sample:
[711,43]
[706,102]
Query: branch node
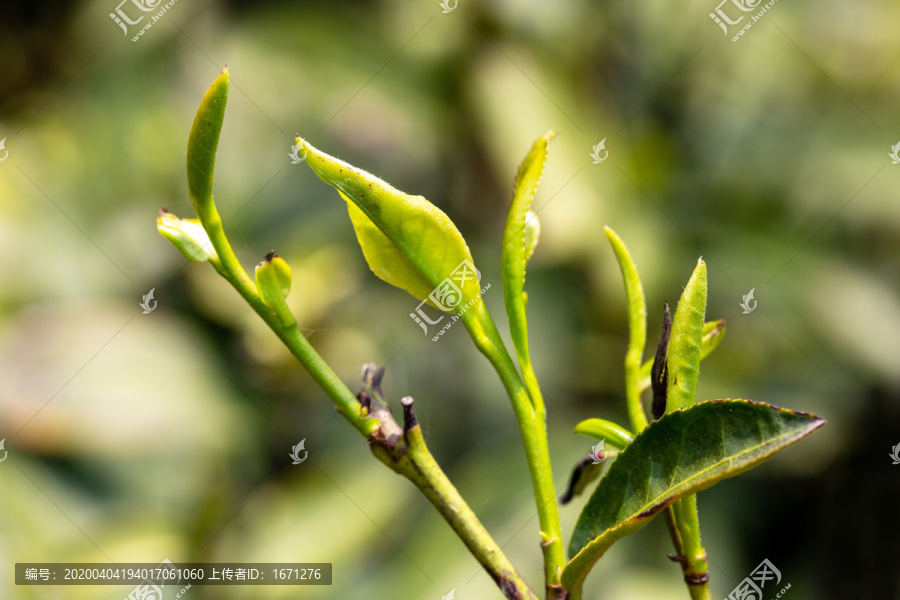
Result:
[701,579]
[409,414]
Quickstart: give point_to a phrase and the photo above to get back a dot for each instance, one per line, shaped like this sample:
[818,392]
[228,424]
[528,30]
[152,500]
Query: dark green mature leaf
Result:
[520,236]
[682,453]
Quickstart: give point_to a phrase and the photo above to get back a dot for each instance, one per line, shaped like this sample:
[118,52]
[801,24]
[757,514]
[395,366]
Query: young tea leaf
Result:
[682,453]
[683,358]
[520,237]
[637,329]
[383,256]
[614,434]
[201,150]
[427,247]
[187,235]
[713,334]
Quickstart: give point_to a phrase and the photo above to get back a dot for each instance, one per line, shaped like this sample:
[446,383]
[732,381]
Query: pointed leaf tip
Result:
[406,240]
[682,453]
[520,238]
[203,144]
[686,342]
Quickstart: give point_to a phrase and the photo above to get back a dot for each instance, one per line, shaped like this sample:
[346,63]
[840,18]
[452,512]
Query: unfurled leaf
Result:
[520,237]
[438,265]
[201,150]
[683,357]
[614,434]
[383,256]
[187,235]
[682,453]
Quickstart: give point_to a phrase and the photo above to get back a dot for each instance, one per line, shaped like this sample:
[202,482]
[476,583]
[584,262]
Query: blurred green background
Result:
[136,437]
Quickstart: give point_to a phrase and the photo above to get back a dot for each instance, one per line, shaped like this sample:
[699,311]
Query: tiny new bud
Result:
[273,280]
[187,235]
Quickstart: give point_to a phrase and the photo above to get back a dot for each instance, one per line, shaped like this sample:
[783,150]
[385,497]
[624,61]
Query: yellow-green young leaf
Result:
[713,334]
[680,454]
[600,429]
[532,234]
[683,358]
[520,237]
[637,329]
[383,256]
[273,281]
[421,233]
[187,235]
[202,145]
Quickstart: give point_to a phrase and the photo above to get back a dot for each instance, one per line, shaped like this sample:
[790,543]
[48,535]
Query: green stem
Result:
[230,268]
[695,567]
[633,389]
[530,414]
[415,463]
[413,460]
